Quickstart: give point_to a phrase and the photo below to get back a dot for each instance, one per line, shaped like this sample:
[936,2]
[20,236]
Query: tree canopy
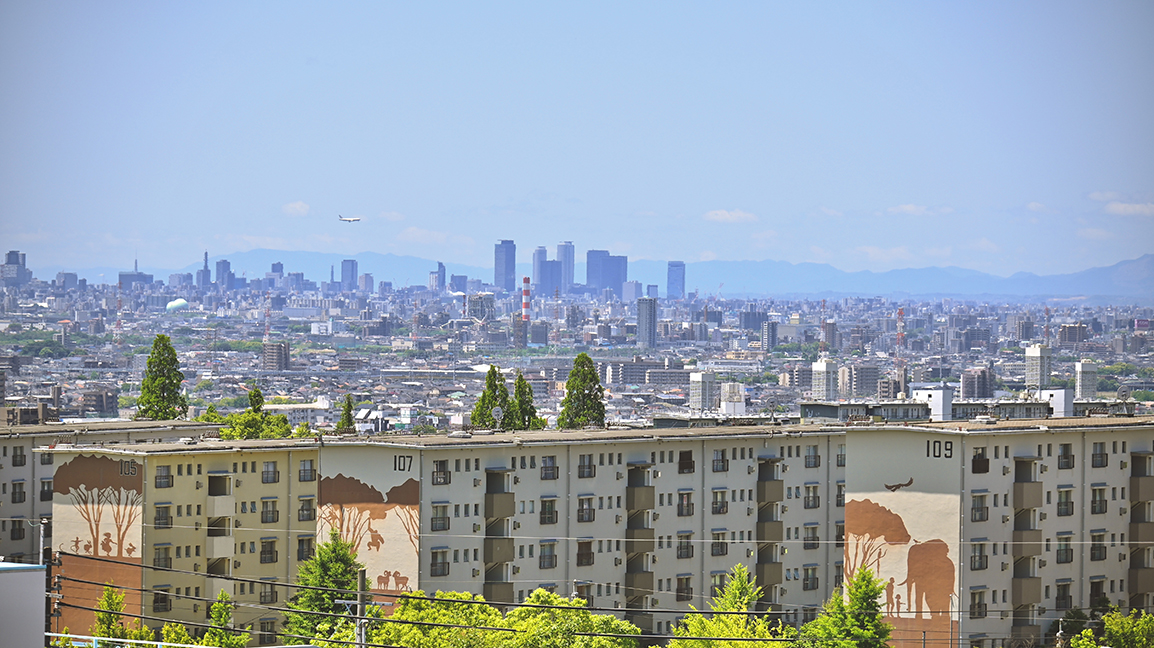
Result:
[495,394]
[160,393]
[853,620]
[108,622]
[584,402]
[221,633]
[333,566]
[740,594]
[346,422]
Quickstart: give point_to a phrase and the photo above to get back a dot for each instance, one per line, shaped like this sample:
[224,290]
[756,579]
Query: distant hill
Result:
[1131,280]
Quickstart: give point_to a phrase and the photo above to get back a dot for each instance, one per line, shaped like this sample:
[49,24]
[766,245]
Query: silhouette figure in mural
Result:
[401,581]
[383,580]
[88,547]
[106,544]
[929,578]
[890,597]
[130,550]
[76,545]
[375,539]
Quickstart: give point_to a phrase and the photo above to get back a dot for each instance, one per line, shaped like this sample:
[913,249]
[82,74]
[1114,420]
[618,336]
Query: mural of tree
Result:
[93,483]
[350,506]
[406,500]
[869,527]
[127,507]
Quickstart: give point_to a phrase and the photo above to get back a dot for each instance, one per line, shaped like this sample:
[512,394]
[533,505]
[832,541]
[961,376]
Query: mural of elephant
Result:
[929,578]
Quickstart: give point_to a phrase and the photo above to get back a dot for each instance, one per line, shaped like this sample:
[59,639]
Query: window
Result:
[1063,600]
[978,604]
[440,564]
[1065,456]
[979,512]
[841,455]
[548,511]
[585,467]
[46,458]
[684,589]
[18,456]
[717,583]
[441,474]
[1098,501]
[163,518]
[585,510]
[1065,553]
[720,463]
[809,578]
[308,510]
[547,558]
[267,632]
[161,557]
[161,601]
[584,553]
[18,494]
[1098,546]
[440,521]
[1065,501]
[268,512]
[18,530]
[979,560]
[306,548]
[839,534]
[719,547]
[268,553]
[812,499]
[164,476]
[1099,459]
[270,475]
[810,540]
[307,472]
[684,504]
[685,545]
[840,499]
[685,464]
[267,593]
[812,458]
[720,504]
[549,467]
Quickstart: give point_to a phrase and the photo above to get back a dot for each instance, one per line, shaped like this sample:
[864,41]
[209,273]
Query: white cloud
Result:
[1130,209]
[733,216]
[1094,234]
[298,208]
[707,255]
[391,216]
[1103,196]
[986,245]
[1036,207]
[418,235]
[884,255]
[912,210]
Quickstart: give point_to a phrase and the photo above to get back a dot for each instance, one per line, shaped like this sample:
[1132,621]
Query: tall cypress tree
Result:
[584,402]
[495,394]
[334,566]
[160,396]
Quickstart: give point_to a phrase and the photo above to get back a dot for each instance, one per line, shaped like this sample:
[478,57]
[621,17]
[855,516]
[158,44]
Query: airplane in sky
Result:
[348,220]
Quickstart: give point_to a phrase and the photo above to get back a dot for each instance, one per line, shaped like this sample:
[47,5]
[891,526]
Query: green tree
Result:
[160,395]
[854,620]
[210,415]
[334,566]
[346,422]
[108,623]
[176,633]
[522,414]
[495,394]
[221,634]
[740,594]
[556,627]
[302,431]
[424,636]
[251,425]
[255,400]
[584,402]
[1135,630]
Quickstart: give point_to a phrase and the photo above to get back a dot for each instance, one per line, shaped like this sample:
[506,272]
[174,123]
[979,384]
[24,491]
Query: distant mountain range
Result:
[1132,280]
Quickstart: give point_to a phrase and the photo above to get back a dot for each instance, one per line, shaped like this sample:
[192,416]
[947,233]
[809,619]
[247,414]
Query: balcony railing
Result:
[1098,506]
[977,610]
[308,474]
[439,569]
[684,551]
[19,459]
[684,510]
[719,549]
[549,472]
[162,561]
[268,596]
[161,603]
[809,543]
[306,554]
[686,467]
[306,514]
[812,501]
[442,477]
[584,558]
[269,517]
[979,562]
[19,497]
[979,513]
[17,533]
[809,583]
[1065,508]
[585,471]
[270,476]
[547,561]
[439,524]
[812,461]
[45,496]
[548,517]
[268,557]
[720,507]
[839,499]
[684,593]
[1097,552]
[1065,555]
[164,481]
[586,514]
[162,522]
[720,465]
[841,460]
[1065,461]
[1063,602]
[1099,460]
[979,465]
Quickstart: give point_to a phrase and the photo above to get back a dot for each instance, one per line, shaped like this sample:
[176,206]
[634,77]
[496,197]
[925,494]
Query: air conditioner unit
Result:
[748,553]
[1122,510]
[236,564]
[1005,470]
[476,527]
[197,528]
[619,475]
[1044,468]
[1041,564]
[653,559]
[516,569]
[1121,557]
[239,483]
[1005,519]
[516,525]
[476,482]
[1123,464]
[656,474]
[616,562]
[784,550]
[653,601]
[656,516]
[784,467]
[784,508]
[783,591]
[749,510]
[516,479]
[750,469]
[1041,516]
[1005,566]
[618,519]
[476,573]
[1005,614]
[199,485]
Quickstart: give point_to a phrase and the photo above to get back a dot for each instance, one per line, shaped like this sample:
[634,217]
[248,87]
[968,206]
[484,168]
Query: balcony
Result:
[1065,509]
[584,558]
[308,514]
[498,550]
[270,477]
[1099,460]
[770,531]
[498,591]
[1098,552]
[162,561]
[1065,462]
[220,547]
[268,596]
[439,524]
[1141,532]
[499,505]
[684,551]
[268,556]
[638,540]
[220,506]
[269,517]
[1064,555]
[841,460]
[1142,488]
[639,583]
[812,501]
[45,496]
[1141,579]
[813,461]
[685,510]
[1025,591]
[684,594]
[548,517]
[719,549]
[1063,602]
[19,460]
[979,465]
[162,481]
[442,477]
[810,542]
[1098,506]
[162,522]
[307,475]
[977,610]
[639,498]
[550,472]
[720,507]
[839,499]
[439,569]
[720,465]
[768,573]
[1027,542]
[586,471]
[1027,495]
[19,497]
[161,603]
[809,583]
[686,467]
[979,562]
[547,561]
[770,490]
[586,514]
[979,513]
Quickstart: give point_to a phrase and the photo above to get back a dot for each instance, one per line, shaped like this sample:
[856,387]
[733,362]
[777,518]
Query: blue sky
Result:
[997,136]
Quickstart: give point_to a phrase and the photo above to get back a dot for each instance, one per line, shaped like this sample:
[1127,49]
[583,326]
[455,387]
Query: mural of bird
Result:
[893,488]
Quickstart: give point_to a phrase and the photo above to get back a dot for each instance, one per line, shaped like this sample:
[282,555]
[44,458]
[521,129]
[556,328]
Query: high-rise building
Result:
[365,283]
[275,356]
[505,265]
[278,268]
[565,258]
[204,275]
[458,283]
[768,335]
[824,380]
[1085,379]
[224,275]
[548,279]
[615,273]
[1038,359]
[440,276]
[595,269]
[863,381]
[675,281]
[647,323]
[630,291]
[977,382]
[348,275]
[13,271]
[540,255]
[703,393]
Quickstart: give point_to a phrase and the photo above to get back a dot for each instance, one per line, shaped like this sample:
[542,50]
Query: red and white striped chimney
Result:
[525,299]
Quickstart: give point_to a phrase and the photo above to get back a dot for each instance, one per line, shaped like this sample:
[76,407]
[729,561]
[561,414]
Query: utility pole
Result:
[362,609]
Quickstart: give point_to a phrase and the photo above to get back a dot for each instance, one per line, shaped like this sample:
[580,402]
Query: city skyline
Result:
[1001,140]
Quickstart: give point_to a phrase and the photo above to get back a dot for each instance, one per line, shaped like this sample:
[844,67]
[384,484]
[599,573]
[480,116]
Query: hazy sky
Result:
[1003,136]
